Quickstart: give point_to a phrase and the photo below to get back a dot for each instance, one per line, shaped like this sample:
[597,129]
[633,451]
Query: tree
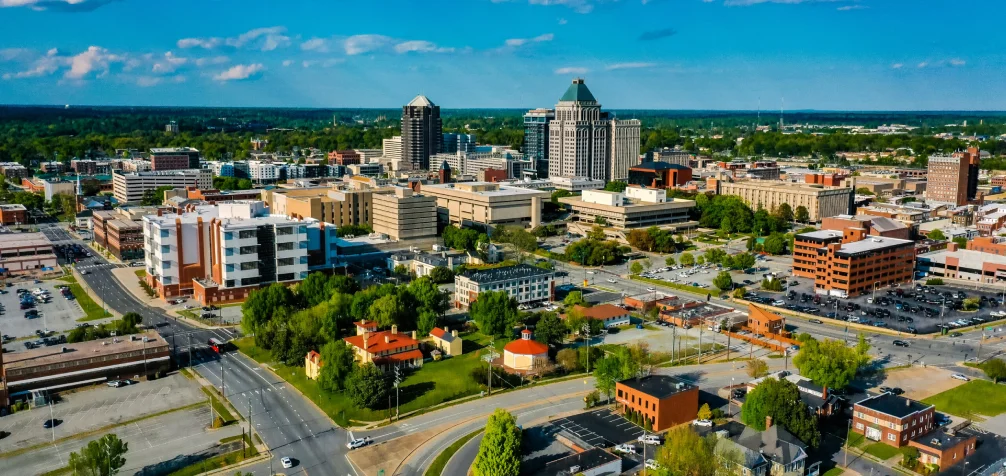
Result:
[669,261]
[775,244]
[426,321]
[962,242]
[131,319]
[704,412]
[499,452]
[757,368]
[685,453]
[687,259]
[780,399]
[101,457]
[936,235]
[785,212]
[909,457]
[802,215]
[495,312]
[607,372]
[995,369]
[701,260]
[367,387]
[615,186]
[442,275]
[550,329]
[831,364]
[568,360]
[154,196]
[636,267]
[723,281]
[574,298]
[264,304]
[389,310]
[426,293]
[556,195]
[971,304]
[336,365]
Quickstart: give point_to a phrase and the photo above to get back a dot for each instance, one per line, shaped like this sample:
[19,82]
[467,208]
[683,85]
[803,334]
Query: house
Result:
[386,349]
[312,365]
[892,419]
[446,341]
[943,448]
[761,321]
[525,355]
[663,400]
[773,452]
[610,314]
[817,398]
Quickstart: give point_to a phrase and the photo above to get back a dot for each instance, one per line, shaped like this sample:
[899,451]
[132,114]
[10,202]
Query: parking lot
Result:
[600,428]
[912,309]
[58,315]
[702,276]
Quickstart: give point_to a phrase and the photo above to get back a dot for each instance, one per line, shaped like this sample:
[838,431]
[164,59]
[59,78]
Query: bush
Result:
[591,399]
[934,282]
[739,293]
[771,285]
[218,422]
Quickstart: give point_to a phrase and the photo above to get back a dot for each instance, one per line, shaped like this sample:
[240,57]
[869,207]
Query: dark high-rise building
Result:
[422,132]
[455,142]
[536,138]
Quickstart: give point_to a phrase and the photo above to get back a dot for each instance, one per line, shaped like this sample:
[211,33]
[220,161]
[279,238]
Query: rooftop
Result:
[376,341]
[442,334]
[967,258]
[81,350]
[578,92]
[602,311]
[10,207]
[940,439]
[657,166]
[587,460]
[172,150]
[893,405]
[780,184]
[486,189]
[658,386]
[518,271]
[774,444]
[155,173]
[8,240]
[421,101]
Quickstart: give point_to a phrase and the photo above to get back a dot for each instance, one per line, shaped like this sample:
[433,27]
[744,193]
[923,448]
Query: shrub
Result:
[218,422]
[771,285]
[934,282]
[591,399]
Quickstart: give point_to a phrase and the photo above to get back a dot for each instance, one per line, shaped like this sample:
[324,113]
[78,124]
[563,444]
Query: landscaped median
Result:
[680,287]
[437,466]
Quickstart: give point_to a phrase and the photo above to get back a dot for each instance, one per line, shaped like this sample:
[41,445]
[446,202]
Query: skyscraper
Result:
[585,142]
[422,132]
[536,138]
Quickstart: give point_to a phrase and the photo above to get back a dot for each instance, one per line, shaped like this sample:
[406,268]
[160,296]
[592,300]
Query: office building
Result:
[403,215]
[574,184]
[525,283]
[578,137]
[536,143]
[341,204]
[118,234]
[455,143]
[659,175]
[624,148]
[129,187]
[53,187]
[962,264]
[985,244]
[13,214]
[174,158]
[637,207]
[391,153]
[671,156]
[13,171]
[849,263]
[875,225]
[487,204]
[821,202]
[23,253]
[953,179]
[422,132]
[171,127]
[512,162]
[212,196]
[344,157]
[663,400]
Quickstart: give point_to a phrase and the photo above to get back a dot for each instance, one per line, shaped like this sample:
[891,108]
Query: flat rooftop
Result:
[894,405]
[172,150]
[658,386]
[82,350]
[967,258]
[781,184]
[505,273]
[587,460]
[490,190]
[21,240]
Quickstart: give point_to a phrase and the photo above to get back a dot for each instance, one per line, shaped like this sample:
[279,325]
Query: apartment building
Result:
[536,138]
[851,262]
[953,179]
[821,201]
[487,204]
[342,204]
[892,419]
[119,235]
[174,158]
[13,214]
[637,207]
[129,187]
[525,283]
[13,171]
[404,215]
[22,253]
[51,188]
[664,400]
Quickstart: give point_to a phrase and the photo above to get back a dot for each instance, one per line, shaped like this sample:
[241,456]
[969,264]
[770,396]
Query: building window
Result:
[285,246]
[247,234]
[284,262]
[249,265]
[228,235]
[890,436]
[230,267]
[164,233]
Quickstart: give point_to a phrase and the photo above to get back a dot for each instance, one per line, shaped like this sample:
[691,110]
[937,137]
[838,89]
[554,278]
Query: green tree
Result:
[686,453]
[715,255]
[574,298]
[757,368]
[101,457]
[785,212]
[687,259]
[367,387]
[131,320]
[550,329]
[775,244]
[264,304]
[704,412]
[390,310]
[962,242]
[723,281]
[995,369]
[442,275]
[669,261]
[971,304]
[615,186]
[154,196]
[556,195]
[568,360]
[426,321]
[607,372]
[636,267]
[499,452]
[426,293]
[937,235]
[801,214]
[337,363]
[495,312]
[780,399]
[830,363]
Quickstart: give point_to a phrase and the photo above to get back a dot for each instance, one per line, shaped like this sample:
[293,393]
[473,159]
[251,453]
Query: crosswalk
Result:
[100,266]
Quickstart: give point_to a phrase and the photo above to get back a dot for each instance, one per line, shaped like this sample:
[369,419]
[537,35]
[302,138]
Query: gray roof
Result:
[873,243]
[578,92]
[821,234]
[893,405]
[775,444]
[421,101]
[518,271]
[886,224]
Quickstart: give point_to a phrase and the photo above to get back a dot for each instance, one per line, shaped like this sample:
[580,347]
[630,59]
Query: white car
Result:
[612,280]
[590,272]
[358,443]
[651,289]
[960,377]
[778,302]
[650,439]
[652,464]
[706,423]
[286,462]
[626,448]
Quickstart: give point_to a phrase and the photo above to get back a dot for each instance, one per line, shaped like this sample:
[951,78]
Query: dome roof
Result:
[526,347]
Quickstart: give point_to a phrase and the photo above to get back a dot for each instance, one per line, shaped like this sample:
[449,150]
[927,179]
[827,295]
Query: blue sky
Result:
[652,54]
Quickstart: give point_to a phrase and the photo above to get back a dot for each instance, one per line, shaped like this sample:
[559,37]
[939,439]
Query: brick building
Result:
[986,244]
[850,263]
[13,214]
[891,419]
[344,157]
[525,283]
[386,349]
[878,226]
[761,321]
[174,158]
[943,448]
[21,253]
[953,178]
[609,314]
[659,175]
[663,400]
[830,180]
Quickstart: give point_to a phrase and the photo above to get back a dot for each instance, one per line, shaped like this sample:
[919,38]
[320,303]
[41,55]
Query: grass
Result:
[434,383]
[219,461]
[140,273]
[979,397]
[882,451]
[57,472]
[834,471]
[855,439]
[437,467]
[679,287]
[218,407]
[186,373]
[92,311]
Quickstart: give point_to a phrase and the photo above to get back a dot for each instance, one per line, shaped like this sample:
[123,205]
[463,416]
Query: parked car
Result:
[650,439]
[705,423]
[625,448]
[818,321]
[901,343]
[652,464]
[286,462]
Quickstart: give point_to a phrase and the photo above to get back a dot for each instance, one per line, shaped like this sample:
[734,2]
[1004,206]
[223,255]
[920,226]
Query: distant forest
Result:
[29,134]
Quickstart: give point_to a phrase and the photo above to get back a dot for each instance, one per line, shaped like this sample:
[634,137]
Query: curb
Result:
[455,455]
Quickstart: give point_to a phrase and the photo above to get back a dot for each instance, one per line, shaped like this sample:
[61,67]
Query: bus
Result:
[216,345]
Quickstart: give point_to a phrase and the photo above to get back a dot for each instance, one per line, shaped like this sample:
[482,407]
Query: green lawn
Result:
[140,273]
[434,383]
[882,451]
[679,287]
[855,439]
[437,467]
[218,407]
[975,397]
[834,471]
[92,311]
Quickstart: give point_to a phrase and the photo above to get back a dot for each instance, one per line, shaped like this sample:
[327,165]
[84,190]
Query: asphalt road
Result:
[288,424]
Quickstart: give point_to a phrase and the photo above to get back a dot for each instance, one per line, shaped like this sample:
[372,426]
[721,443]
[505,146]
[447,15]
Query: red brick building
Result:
[891,419]
[829,180]
[13,214]
[343,157]
[878,226]
[663,400]
[984,244]
[763,322]
[850,263]
[659,175]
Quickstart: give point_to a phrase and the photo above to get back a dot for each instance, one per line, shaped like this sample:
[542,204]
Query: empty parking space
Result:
[600,428]
[58,315]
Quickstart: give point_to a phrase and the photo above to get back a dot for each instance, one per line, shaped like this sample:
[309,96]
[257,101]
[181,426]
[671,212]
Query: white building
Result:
[392,153]
[523,282]
[129,187]
[575,184]
[624,148]
[263,172]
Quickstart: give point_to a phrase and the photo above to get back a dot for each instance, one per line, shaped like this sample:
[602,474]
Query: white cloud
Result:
[515,42]
[95,60]
[239,72]
[957,62]
[315,44]
[64,5]
[579,6]
[923,64]
[359,44]
[629,66]
[212,60]
[852,7]
[744,3]
[571,70]
[420,46]
[287,63]
[897,65]
[328,63]
[15,54]
[263,39]
[562,21]
[207,43]
[43,66]
[168,64]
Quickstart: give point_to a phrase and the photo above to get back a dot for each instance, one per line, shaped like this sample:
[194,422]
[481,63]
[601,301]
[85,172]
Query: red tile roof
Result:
[314,357]
[372,325]
[526,347]
[442,334]
[375,341]
[602,311]
[400,357]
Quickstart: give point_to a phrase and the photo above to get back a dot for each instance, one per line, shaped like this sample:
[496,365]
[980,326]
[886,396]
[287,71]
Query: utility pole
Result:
[586,331]
[398,380]
[222,391]
[698,360]
[674,339]
[190,350]
[492,351]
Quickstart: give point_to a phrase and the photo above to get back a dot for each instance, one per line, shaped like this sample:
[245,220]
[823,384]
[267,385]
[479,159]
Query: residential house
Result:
[312,365]
[386,349]
[773,452]
[892,419]
[446,341]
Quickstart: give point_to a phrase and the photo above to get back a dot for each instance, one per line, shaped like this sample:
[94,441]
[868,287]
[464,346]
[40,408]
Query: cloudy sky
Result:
[652,54]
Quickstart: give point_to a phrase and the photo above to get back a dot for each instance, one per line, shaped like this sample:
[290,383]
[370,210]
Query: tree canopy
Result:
[102,457]
[495,312]
[780,399]
[830,363]
[367,387]
[499,452]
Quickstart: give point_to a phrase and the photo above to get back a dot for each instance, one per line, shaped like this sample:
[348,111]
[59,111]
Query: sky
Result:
[633,54]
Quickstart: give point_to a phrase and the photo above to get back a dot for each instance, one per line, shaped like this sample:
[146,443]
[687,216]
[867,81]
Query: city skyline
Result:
[637,54]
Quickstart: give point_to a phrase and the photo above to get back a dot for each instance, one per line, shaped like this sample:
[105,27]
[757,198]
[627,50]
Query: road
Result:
[288,423]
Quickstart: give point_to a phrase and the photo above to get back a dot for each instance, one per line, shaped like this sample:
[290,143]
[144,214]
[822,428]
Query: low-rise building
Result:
[965,265]
[525,283]
[761,321]
[129,187]
[174,158]
[22,253]
[636,208]
[773,452]
[403,215]
[851,262]
[664,400]
[525,355]
[312,365]
[13,214]
[821,201]
[53,187]
[13,171]
[877,225]
[659,174]
[341,204]
[609,314]
[446,341]
[213,196]
[576,184]
[486,204]
[983,244]
[892,419]
[944,448]
[386,349]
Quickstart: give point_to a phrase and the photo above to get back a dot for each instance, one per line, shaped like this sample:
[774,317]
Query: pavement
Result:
[59,315]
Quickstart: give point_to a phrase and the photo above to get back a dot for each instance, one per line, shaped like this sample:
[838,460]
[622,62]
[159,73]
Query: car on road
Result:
[900,343]
[358,443]
[706,423]
[956,334]
[85,272]
[652,464]
[612,280]
[625,448]
[816,321]
[286,462]
[960,377]
[897,390]
[651,289]
[884,389]
[115,383]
